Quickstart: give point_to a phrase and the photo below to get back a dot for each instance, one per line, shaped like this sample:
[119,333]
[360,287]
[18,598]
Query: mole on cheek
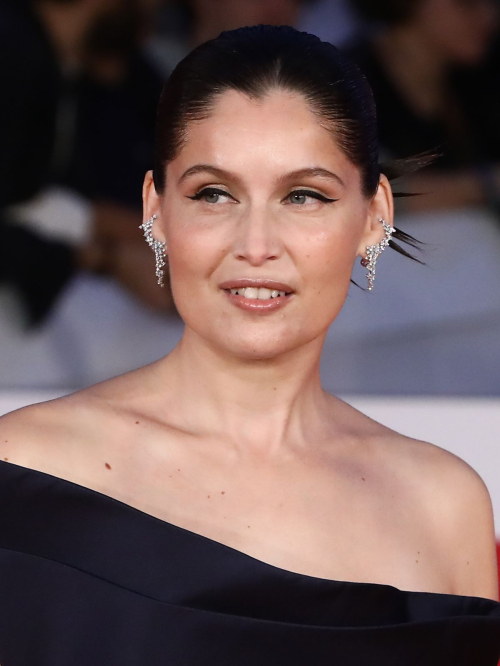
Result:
[107,465]
[137,422]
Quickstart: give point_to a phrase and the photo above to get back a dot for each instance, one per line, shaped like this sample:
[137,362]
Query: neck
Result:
[259,405]
[416,64]
[67,27]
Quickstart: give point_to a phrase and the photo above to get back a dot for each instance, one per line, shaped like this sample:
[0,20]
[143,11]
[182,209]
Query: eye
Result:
[300,197]
[211,195]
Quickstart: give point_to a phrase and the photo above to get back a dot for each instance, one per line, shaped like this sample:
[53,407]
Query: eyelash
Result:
[209,190]
[308,193]
[313,194]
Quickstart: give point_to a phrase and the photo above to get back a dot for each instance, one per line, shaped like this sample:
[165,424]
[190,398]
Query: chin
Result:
[264,346]
[257,352]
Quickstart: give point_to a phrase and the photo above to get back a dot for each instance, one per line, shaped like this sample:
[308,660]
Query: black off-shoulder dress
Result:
[86,580]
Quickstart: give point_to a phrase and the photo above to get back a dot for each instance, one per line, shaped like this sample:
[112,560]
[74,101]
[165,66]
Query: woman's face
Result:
[462,29]
[260,200]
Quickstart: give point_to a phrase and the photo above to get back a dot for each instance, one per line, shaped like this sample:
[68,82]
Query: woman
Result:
[217,506]
[421,62]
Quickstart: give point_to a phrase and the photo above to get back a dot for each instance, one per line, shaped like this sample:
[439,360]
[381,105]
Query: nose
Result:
[257,239]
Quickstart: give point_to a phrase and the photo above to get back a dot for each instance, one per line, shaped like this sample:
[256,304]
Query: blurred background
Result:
[79,303]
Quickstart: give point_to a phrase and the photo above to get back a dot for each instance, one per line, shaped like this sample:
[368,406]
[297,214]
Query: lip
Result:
[259,283]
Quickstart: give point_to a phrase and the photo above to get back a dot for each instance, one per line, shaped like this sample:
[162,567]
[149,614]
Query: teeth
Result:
[253,293]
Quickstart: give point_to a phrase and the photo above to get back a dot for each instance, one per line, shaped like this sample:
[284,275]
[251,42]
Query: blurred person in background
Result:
[213,16]
[187,23]
[418,60]
[76,132]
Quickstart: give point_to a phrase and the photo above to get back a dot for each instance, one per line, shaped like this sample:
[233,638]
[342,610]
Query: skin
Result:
[231,435]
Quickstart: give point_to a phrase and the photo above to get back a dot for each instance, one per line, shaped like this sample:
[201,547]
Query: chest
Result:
[354,524]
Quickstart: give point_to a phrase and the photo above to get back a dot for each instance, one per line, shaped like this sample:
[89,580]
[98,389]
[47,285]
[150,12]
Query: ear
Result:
[380,206]
[151,204]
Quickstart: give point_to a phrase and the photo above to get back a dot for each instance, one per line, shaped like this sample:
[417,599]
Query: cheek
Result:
[195,248]
[328,259]
[194,251]
[325,267]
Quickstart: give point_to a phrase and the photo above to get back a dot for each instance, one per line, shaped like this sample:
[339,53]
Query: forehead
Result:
[275,133]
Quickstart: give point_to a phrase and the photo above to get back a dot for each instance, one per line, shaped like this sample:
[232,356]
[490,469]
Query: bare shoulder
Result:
[52,435]
[40,431]
[448,497]
[458,507]
[442,476]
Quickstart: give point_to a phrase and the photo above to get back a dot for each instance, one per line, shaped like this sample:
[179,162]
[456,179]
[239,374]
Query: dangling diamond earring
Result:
[156,246]
[373,251]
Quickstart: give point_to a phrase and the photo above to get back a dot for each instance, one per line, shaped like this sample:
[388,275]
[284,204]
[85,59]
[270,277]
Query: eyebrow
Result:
[318,172]
[222,174]
[207,168]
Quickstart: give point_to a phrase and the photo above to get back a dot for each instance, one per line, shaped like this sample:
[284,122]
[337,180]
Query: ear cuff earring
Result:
[156,246]
[373,251]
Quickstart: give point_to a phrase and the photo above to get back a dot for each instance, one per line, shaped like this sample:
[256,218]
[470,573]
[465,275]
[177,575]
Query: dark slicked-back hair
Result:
[259,60]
